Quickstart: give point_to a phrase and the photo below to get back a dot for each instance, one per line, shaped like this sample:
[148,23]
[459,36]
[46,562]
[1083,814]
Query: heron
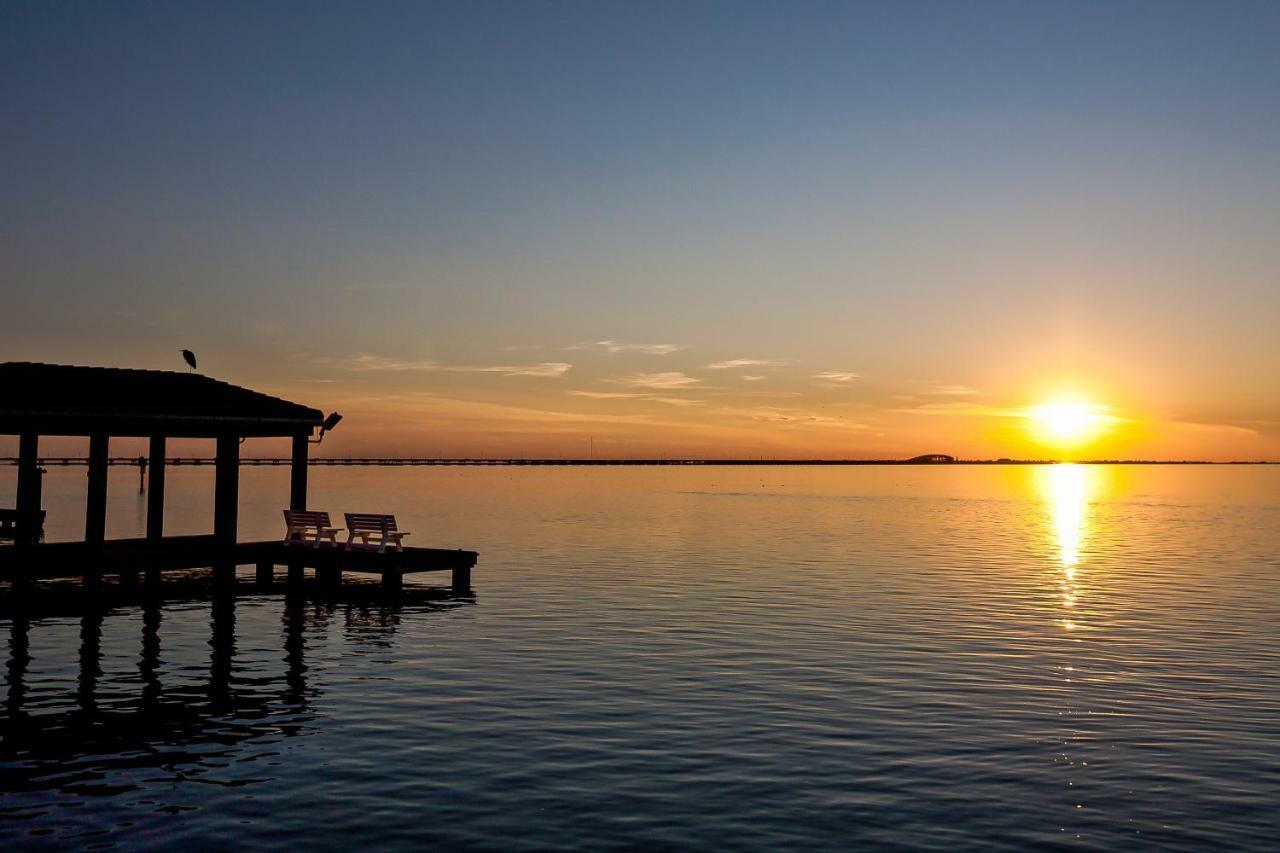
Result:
[190,358]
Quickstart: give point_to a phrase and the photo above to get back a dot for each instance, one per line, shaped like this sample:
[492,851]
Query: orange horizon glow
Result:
[790,414]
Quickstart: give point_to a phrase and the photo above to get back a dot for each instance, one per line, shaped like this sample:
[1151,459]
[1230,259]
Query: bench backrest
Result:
[305,518]
[359,521]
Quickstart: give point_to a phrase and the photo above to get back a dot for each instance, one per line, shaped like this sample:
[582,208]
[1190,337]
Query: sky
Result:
[790,230]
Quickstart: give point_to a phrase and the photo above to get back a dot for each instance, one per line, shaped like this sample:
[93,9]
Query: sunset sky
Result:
[698,229]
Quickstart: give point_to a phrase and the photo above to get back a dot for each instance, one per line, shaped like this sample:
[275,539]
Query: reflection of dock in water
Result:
[168,720]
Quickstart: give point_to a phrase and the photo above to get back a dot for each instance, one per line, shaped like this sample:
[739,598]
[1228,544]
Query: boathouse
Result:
[100,403]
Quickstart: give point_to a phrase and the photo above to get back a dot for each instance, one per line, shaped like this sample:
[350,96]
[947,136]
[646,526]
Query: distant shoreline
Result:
[515,462]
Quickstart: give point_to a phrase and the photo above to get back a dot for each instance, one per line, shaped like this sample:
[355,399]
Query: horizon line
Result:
[534,461]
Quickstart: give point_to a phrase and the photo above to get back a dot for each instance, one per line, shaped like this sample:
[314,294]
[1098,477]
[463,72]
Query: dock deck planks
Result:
[71,559]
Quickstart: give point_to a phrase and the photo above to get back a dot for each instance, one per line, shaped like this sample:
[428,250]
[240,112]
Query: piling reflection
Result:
[293,619]
[90,661]
[222,650]
[19,658]
[162,719]
[149,661]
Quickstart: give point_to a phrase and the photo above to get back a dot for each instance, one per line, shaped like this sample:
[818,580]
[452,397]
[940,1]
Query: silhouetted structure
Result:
[102,403]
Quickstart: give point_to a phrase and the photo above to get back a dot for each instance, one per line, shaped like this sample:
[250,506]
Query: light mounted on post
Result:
[329,423]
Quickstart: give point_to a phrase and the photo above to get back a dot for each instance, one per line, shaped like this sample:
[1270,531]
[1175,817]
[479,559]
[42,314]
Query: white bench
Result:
[373,530]
[307,527]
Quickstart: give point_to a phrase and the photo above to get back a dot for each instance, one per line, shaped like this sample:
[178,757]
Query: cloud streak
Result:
[631,395]
[952,391]
[794,417]
[666,381]
[745,362]
[545,370]
[839,377]
[615,347]
[606,395]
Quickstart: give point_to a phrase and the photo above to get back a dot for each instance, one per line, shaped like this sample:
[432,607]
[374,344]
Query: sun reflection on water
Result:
[1067,489]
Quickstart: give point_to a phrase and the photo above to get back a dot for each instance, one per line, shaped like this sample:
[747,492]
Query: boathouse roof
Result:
[59,399]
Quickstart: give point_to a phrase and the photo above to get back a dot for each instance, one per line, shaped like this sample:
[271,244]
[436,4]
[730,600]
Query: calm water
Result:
[739,658]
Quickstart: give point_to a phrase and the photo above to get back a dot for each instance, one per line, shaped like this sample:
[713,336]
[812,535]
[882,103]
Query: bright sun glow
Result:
[1068,423]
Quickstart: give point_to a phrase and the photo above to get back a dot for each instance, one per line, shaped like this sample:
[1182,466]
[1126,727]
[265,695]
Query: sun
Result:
[1068,423]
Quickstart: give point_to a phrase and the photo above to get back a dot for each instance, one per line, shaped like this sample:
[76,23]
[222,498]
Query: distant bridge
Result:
[419,461]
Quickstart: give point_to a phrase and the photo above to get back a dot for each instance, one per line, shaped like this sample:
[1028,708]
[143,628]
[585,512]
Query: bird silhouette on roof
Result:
[190,358]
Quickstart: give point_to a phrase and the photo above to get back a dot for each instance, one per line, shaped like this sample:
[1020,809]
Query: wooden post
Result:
[329,578]
[28,497]
[461,579]
[155,493]
[226,490]
[265,573]
[226,502]
[298,473]
[224,578]
[95,521]
[298,494]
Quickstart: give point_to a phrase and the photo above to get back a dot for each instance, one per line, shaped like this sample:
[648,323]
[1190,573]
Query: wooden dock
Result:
[129,558]
[102,403]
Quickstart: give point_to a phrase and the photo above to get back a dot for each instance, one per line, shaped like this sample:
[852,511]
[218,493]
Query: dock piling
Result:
[392,579]
[224,577]
[329,578]
[461,579]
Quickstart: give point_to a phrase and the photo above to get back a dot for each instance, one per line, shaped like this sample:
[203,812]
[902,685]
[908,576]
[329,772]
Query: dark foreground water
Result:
[1012,657]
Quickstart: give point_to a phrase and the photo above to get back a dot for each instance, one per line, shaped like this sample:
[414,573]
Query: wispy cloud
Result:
[961,408]
[615,347]
[368,361]
[745,362]
[545,370]
[837,376]
[632,395]
[667,381]
[952,391]
[750,378]
[606,395]
[794,417]
[675,401]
